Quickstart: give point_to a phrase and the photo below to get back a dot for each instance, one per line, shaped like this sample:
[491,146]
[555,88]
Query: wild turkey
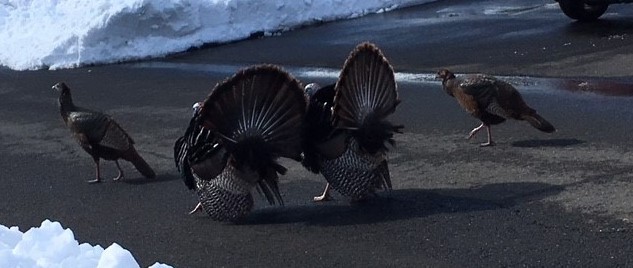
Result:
[99,135]
[235,138]
[346,127]
[490,100]
[195,136]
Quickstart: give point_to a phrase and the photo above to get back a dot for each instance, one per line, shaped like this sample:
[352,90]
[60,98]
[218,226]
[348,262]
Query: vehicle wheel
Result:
[578,10]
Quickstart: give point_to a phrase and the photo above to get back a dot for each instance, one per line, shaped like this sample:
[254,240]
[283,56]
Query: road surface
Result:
[535,199]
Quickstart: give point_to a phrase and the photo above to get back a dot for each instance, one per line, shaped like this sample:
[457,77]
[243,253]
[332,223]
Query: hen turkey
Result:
[346,129]
[235,138]
[490,100]
[99,135]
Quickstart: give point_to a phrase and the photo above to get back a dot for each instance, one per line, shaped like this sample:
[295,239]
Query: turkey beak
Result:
[59,87]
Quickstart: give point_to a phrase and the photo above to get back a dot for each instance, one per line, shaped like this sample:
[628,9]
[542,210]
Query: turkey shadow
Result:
[405,204]
[602,27]
[140,180]
[547,143]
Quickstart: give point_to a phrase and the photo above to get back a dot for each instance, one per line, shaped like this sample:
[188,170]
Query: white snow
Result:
[54,34]
[50,245]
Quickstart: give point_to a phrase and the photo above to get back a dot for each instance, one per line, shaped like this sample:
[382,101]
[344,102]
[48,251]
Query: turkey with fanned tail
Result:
[235,138]
[346,127]
[99,135]
[490,100]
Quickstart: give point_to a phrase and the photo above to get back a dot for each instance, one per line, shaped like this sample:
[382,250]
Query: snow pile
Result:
[50,245]
[67,33]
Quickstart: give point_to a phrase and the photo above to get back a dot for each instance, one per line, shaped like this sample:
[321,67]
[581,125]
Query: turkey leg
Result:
[120,176]
[98,176]
[477,129]
[325,196]
[198,207]
[490,142]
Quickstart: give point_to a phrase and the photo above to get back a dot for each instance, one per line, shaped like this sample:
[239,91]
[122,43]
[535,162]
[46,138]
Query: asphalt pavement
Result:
[535,199]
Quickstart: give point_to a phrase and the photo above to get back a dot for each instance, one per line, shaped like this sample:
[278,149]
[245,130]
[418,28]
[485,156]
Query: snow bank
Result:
[67,33]
[50,245]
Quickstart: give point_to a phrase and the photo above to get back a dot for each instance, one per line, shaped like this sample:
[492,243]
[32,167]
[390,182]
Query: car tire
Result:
[578,10]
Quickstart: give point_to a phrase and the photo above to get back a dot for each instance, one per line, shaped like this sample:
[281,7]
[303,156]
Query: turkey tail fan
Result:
[269,188]
[366,93]
[259,115]
[140,164]
[539,123]
[261,107]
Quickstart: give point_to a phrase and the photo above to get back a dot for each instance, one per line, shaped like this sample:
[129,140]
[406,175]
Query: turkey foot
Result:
[198,207]
[120,176]
[98,172]
[489,142]
[325,196]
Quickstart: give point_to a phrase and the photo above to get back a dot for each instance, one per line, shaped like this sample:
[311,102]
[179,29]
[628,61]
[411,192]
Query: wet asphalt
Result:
[535,199]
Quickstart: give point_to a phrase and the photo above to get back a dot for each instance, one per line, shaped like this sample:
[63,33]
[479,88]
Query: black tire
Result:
[578,10]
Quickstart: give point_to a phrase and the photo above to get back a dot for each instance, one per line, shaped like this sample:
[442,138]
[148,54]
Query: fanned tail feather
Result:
[540,123]
[258,113]
[140,164]
[270,189]
[366,93]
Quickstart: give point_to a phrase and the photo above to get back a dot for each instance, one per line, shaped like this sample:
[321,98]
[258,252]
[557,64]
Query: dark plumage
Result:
[318,127]
[346,128]
[198,150]
[99,135]
[490,100]
[235,138]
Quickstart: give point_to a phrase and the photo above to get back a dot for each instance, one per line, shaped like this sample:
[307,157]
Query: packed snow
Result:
[50,245]
[41,34]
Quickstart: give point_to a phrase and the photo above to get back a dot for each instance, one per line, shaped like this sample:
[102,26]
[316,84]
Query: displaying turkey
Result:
[346,130]
[490,100]
[235,138]
[99,135]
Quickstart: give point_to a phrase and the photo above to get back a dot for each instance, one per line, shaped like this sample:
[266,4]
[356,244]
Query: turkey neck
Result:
[449,84]
[66,104]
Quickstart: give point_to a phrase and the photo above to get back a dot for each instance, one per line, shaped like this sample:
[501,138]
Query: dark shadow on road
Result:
[143,180]
[406,204]
[548,143]
[602,27]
